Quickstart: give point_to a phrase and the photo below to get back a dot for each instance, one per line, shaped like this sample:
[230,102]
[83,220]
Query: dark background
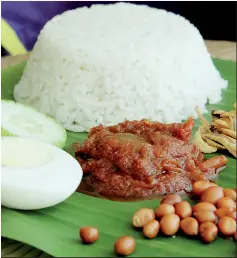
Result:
[215,20]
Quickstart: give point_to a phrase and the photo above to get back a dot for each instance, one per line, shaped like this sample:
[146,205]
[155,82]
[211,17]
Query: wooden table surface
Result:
[218,49]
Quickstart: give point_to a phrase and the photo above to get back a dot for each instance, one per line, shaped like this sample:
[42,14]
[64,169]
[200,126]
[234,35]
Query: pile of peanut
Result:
[214,215]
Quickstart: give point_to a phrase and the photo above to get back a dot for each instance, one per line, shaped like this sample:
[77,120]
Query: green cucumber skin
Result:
[59,144]
[4,132]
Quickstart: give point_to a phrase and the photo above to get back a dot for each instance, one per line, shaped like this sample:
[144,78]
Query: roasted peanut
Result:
[208,231]
[163,209]
[183,209]
[189,226]
[222,212]
[204,206]
[169,224]
[172,199]
[125,245]
[204,216]
[142,217]
[226,202]
[212,194]
[230,193]
[200,186]
[231,214]
[89,235]
[151,229]
[227,226]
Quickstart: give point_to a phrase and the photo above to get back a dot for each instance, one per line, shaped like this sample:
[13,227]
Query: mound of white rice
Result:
[113,62]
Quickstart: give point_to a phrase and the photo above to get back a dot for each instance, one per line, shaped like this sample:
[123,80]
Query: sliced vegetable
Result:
[24,121]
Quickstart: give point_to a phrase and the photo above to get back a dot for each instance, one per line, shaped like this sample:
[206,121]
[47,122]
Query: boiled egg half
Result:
[36,175]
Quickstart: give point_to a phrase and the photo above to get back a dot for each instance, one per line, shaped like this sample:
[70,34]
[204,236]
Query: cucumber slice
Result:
[24,121]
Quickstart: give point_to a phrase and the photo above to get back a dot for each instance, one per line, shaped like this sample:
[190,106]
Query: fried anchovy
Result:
[220,133]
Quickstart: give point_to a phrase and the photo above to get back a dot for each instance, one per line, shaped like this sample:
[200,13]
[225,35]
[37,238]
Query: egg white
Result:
[36,175]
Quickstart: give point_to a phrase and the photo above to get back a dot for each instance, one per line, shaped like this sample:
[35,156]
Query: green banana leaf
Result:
[55,230]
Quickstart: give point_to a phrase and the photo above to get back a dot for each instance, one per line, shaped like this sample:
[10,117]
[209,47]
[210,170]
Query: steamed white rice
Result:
[109,63]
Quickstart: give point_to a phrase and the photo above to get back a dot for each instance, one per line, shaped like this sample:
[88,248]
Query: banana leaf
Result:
[55,230]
